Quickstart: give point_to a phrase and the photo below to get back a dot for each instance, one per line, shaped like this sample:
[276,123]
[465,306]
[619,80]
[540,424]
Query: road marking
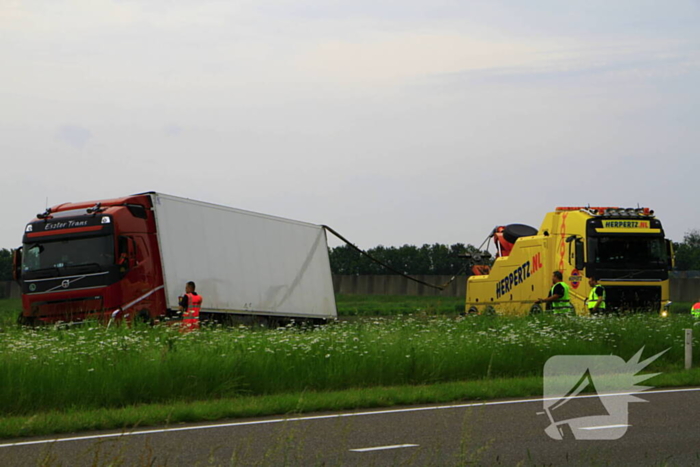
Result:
[605,427]
[331,416]
[382,448]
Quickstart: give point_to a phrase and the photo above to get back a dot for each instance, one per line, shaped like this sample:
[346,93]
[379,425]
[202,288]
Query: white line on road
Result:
[331,416]
[606,427]
[382,448]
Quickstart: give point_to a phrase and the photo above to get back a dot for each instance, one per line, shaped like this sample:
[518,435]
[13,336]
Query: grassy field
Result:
[91,369]
[91,366]
[393,305]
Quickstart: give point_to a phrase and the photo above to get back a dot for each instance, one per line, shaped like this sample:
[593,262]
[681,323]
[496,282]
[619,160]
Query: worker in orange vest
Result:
[695,310]
[190,305]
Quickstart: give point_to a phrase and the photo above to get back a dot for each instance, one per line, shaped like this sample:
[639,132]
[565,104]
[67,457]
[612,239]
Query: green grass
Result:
[392,305]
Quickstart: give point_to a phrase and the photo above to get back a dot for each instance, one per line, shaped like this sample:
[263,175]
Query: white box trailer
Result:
[243,262]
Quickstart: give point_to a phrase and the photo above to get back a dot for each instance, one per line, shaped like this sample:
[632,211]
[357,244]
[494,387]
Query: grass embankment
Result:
[54,380]
[138,416]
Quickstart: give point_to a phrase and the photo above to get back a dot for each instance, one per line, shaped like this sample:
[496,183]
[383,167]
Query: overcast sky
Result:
[393,121]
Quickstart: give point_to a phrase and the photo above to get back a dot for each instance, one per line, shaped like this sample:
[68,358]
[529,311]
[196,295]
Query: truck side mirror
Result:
[132,252]
[569,240]
[671,254]
[127,253]
[17,264]
[580,255]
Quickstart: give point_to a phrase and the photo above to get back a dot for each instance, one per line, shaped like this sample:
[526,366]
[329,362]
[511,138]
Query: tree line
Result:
[436,259]
[5,265]
[688,252]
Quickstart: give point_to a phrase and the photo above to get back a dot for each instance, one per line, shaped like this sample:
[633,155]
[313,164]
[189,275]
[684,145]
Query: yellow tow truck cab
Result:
[624,248]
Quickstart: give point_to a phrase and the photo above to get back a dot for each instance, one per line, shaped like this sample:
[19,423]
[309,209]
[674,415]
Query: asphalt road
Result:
[664,431]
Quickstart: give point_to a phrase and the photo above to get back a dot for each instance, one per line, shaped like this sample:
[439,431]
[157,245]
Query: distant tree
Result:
[5,265]
[688,252]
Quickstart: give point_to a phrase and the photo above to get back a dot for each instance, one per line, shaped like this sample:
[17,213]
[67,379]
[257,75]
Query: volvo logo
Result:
[65,284]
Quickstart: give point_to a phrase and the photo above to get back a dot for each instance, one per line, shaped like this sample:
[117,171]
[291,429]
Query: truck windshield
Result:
[95,251]
[628,252]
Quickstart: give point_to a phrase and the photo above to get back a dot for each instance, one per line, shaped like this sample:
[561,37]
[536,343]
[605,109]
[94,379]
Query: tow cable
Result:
[396,271]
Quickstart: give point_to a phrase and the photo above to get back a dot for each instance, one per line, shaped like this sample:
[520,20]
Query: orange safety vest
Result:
[190,318]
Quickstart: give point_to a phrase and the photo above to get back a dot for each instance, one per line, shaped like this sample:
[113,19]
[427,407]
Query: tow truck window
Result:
[97,251]
[639,252]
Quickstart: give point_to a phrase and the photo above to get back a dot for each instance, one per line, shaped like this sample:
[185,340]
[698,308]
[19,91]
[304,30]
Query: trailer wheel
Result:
[536,309]
[489,311]
[473,310]
[261,321]
[207,319]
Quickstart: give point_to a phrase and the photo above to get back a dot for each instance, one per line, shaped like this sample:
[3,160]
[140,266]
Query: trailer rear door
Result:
[243,262]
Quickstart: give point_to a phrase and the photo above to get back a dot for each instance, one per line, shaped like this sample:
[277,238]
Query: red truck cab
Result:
[96,259]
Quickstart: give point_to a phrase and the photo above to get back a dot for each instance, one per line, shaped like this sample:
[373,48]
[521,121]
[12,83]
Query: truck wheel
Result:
[144,317]
[23,321]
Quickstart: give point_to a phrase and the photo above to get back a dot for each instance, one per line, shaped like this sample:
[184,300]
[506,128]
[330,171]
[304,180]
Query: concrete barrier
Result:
[685,289]
[682,289]
[398,285]
[9,289]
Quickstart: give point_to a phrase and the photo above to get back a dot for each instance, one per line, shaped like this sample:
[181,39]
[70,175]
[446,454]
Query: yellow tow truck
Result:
[624,248]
